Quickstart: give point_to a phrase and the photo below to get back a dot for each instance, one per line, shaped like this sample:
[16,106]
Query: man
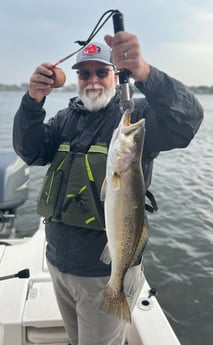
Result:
[74,247]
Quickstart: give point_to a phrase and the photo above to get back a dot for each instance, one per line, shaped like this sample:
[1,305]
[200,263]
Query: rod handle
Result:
[118,22]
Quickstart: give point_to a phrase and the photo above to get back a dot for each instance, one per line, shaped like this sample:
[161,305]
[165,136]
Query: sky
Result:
[176,36]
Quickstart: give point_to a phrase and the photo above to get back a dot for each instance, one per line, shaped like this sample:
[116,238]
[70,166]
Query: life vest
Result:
[70,192]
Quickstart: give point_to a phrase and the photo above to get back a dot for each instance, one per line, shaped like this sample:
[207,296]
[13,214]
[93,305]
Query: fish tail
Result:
[115,303]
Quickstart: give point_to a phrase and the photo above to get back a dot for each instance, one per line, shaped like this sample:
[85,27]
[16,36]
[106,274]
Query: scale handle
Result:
[126,102]
[118,22]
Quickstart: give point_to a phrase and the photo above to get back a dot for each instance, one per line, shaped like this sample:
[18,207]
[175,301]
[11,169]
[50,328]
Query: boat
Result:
[28,310]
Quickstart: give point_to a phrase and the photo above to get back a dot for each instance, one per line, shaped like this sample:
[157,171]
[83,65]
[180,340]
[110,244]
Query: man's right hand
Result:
[41,82]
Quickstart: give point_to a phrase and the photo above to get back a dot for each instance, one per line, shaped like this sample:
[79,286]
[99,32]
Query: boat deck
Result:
[29,314]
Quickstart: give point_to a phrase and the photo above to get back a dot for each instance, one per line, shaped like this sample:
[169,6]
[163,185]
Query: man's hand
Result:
[41,82]
[126,54]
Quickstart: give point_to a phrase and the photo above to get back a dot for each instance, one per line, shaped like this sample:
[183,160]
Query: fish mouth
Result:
[127,119]
[129,127]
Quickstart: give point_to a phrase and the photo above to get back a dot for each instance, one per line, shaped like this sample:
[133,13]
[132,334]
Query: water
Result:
[178,259]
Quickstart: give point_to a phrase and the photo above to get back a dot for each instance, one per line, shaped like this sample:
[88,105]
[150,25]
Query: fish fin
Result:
[115,304]
[103,190]
[105,255]
[116,181]
[142,242]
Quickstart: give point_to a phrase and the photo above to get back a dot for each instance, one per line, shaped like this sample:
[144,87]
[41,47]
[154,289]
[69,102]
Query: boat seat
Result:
[47,335]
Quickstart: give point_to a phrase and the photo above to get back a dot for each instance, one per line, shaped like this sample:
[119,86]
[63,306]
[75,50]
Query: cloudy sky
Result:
[175,35]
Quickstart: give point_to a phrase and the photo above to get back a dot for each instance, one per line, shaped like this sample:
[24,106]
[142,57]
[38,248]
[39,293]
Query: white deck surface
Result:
[29,313]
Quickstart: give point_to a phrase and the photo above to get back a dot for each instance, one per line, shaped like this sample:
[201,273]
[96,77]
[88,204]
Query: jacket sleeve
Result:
[173,114]
[33,140]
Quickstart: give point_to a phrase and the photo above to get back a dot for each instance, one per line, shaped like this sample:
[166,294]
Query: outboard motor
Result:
[14,180]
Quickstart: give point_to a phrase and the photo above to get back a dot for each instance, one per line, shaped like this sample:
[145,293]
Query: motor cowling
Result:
[14,180]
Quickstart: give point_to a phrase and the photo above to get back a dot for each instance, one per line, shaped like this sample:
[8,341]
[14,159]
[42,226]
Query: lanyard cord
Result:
[94,32]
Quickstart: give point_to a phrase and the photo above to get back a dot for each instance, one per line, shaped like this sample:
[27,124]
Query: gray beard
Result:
[97,103]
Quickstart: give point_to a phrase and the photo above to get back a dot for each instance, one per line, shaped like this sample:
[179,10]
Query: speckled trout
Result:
[124,201]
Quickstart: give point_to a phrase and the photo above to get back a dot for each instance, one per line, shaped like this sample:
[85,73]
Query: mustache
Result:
[93,87]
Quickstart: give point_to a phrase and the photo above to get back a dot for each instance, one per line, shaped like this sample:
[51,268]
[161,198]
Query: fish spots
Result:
[115,303]
[124,211]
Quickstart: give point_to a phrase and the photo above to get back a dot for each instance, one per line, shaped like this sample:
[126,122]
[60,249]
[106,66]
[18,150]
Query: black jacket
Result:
[173,116]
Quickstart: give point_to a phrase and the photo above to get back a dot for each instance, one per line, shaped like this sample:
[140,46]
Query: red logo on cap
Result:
[91,49]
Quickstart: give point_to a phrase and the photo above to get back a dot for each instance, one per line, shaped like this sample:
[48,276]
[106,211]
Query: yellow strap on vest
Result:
[89,171]
[65,147]
[89,220]
[61,164]
[94,149]
[80,191]
[98,149]
[51,183]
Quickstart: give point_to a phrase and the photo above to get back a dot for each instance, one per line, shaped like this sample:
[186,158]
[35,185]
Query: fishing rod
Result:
[126,102]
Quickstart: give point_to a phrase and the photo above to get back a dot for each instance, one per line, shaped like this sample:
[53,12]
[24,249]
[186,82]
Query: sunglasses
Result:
[101,73]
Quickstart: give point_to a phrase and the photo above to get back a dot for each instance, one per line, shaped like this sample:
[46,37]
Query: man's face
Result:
[96,84]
